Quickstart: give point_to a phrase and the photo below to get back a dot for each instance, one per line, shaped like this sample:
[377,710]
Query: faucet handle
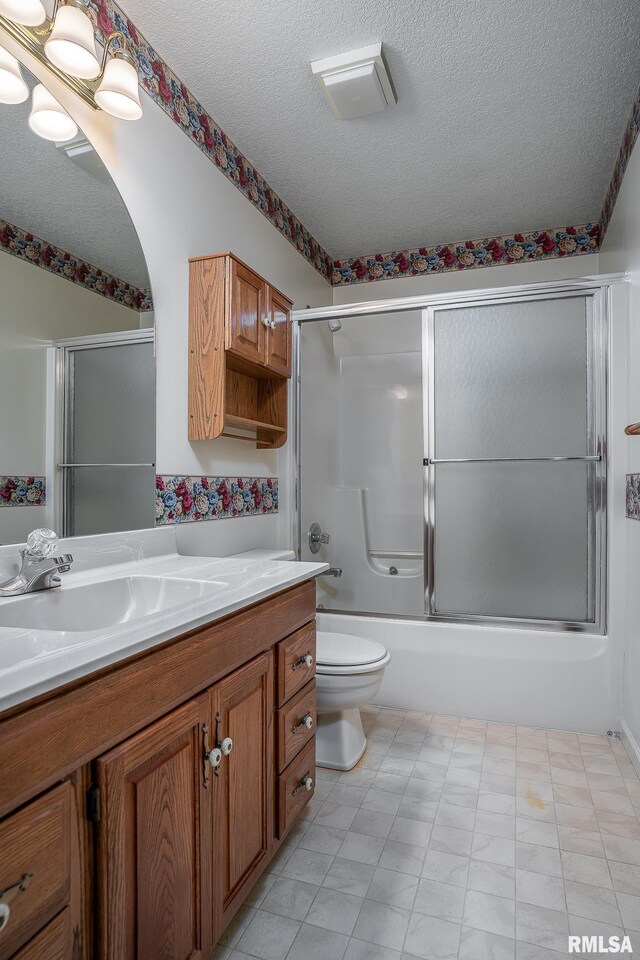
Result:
[41,543]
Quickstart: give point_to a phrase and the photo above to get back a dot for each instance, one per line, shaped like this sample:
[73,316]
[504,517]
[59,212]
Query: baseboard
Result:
[631,745]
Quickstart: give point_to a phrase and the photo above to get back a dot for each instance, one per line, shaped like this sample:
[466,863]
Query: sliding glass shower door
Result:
[454,455]
[513,469]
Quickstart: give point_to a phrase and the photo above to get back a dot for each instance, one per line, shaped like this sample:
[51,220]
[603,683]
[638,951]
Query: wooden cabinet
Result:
[154,842]
[239,353]
[243,808]
[35,866]
[279,337]
[247,321]
[138,846]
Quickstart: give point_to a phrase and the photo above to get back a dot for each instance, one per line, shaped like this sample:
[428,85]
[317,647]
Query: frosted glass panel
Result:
[511,380]
[381,445]
[114,404]
[107,499]
[513,540]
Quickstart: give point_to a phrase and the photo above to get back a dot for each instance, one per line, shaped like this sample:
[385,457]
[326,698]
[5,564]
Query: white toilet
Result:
[349,672]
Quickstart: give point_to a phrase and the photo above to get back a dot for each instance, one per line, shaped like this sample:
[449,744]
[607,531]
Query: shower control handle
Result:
[317,537]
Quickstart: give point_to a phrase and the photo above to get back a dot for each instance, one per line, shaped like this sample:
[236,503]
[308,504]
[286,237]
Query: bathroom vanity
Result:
[140,801]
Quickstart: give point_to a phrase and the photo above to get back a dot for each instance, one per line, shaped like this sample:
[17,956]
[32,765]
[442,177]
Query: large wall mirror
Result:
[77,368]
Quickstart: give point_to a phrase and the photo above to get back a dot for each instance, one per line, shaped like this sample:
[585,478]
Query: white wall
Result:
[621,251]
[508,275]
[182,206]
[37,307]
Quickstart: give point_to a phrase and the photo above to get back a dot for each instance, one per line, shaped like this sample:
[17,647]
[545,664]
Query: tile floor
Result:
[454,840]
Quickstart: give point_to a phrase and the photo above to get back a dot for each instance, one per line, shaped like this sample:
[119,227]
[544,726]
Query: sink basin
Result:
[95,606]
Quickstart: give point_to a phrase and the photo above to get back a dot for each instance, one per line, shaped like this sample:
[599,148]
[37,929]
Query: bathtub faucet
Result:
[332,572]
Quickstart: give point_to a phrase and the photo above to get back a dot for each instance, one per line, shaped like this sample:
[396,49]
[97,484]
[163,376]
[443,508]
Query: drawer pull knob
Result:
[305,784]
[7,895]
[266,322]
[226,746]
[214,757]
[305,661]
[306,723]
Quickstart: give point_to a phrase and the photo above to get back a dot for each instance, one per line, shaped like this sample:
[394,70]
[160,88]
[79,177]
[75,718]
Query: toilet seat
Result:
[342,654]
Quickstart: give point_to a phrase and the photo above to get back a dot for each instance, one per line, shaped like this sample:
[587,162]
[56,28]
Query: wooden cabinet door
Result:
[243,789]
[153,857]
[246,330]
[279,334]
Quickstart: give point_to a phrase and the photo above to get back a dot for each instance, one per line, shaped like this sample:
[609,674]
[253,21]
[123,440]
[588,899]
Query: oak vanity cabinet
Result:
[154,842]
[186,822]
[239,353]
[139,806]
[242,785]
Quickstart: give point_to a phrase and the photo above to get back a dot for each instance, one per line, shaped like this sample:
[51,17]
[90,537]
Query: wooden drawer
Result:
[36,840]
[292,735]
[292,674]
[52,943]
[291,797]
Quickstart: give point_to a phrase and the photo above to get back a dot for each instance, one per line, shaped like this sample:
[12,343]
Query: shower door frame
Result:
[595,289]
[61,465]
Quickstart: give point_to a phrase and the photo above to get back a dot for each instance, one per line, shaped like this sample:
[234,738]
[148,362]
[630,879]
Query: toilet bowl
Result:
[349,672]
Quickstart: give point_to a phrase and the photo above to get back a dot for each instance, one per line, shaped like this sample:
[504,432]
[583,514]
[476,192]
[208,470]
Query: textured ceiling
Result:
[44,192]
[509,113]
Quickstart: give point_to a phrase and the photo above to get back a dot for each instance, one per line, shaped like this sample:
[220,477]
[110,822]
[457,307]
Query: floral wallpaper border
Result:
[22,492]
[628,142]
[174,97]
[182,499]
[469,254]
[633,496]
[19,243]
[178,102]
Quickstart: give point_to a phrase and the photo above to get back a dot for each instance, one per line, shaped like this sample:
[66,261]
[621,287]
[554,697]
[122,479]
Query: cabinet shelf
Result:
[245,423]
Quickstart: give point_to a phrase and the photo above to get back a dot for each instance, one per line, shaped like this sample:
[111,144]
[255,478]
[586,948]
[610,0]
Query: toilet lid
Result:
[346,650]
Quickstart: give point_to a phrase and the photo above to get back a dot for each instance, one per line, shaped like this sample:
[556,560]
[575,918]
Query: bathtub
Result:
[557,680]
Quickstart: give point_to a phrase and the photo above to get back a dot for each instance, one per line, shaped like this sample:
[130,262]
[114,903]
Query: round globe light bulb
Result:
[13,87]
[71,45]
[119,93]
[48,118]
[30,13]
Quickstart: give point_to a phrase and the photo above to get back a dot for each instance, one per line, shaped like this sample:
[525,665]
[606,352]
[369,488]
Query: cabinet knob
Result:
[306,722]
[273,324]
[7,895]
[226,746]
[305,661]
[305,784]
[266,322]
[214,757]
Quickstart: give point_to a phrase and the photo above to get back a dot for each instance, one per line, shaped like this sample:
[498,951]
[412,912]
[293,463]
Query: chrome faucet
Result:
[39,569]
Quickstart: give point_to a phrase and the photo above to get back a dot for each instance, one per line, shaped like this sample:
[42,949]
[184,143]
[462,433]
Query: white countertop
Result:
[34,661]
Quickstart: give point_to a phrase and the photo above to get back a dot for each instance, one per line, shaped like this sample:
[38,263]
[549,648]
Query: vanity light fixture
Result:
[48,118]
[66,44]
[71,42]
[30,13]
[13,86]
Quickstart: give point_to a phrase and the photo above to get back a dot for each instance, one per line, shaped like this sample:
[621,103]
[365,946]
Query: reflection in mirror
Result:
[77,369]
